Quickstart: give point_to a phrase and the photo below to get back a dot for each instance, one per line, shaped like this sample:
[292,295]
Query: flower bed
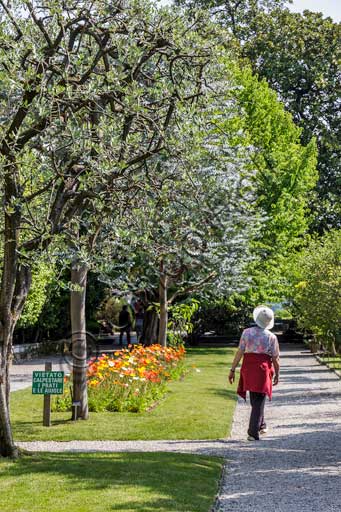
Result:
[130,380]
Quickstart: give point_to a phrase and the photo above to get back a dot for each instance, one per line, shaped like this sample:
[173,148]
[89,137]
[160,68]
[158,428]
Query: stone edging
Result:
[216,504]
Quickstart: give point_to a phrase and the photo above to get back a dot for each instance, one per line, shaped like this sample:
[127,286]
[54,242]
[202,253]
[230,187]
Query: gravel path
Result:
[21,372]
[296,467]
[220,448]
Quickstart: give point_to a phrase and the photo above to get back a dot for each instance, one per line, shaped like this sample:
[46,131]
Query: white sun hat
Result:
[264,317]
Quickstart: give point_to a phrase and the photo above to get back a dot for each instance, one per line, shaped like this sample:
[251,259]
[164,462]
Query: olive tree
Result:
[80,84]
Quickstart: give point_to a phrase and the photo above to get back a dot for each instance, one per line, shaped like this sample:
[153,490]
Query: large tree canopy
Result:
[284,176]
[238,16]
[196,212]
[299,56]
[81,84]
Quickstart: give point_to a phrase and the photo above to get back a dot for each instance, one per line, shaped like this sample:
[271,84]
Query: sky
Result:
[330,8]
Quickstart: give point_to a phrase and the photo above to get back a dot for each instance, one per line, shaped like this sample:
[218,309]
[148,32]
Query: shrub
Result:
[316,274]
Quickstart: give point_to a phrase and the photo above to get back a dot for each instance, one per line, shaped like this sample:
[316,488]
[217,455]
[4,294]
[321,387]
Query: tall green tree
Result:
[284,177]
[194,237]
[238,16]
[299,56]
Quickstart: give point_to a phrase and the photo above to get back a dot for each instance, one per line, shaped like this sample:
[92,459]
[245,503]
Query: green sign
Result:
[47,383]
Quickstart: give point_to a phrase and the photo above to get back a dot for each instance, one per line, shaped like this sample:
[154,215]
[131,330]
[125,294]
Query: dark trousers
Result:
[127,331]
[257,413]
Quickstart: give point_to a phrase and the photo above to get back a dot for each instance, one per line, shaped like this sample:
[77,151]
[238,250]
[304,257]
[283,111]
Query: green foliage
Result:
[223,317]
[80,116]
[285,174]
[283,314]
[285,169]
[299,55]
[240,152]
[180,321]
[316,278]
[194,216]
[42,277]
[53,320]
[109,309]
[332,362]
[238,16]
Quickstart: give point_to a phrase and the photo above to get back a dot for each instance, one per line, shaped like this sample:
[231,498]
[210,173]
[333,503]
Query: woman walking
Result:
[260,352]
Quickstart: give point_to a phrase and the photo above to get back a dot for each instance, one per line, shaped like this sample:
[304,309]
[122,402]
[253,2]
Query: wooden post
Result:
[163,285]
[79,274]
[47,402]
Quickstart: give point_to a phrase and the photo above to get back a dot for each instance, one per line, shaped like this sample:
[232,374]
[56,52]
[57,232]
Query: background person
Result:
[139,316]
[124,321]
[259,349]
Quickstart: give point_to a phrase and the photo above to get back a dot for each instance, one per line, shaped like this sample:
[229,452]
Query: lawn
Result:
[98,482]
[201,406]
[333,362]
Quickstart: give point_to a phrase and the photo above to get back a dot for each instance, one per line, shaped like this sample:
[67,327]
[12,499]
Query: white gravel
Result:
[296,467]
[21,372]
[218,448]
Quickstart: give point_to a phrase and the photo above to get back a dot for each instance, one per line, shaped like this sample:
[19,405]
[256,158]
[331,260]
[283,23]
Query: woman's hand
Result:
[239,354]
[276,368]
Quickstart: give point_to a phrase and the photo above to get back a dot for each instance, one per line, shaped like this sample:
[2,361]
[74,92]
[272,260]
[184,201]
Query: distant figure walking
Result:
[139,316]
[125,324]
[260,352]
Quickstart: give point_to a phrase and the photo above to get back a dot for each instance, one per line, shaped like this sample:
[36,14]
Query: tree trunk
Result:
[162,339]
[333,350]
[79,349]
[15,284]
[7,447]
[11,308]
[150,327]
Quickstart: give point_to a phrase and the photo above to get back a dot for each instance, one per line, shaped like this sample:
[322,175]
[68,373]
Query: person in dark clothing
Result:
[125,324]
[139,316]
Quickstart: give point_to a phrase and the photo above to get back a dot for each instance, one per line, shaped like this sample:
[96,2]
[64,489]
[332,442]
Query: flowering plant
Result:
[130,380]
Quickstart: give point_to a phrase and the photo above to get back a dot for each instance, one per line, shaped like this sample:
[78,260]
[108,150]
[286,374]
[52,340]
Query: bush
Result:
[130,381]
[180,322]
[283,314]
[316,274]
[221,317]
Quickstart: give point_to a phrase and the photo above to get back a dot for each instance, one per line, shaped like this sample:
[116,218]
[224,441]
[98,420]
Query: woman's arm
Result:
[275,362]
[235,362]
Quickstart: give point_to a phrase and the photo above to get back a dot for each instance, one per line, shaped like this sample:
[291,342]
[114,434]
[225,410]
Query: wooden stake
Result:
[47,402]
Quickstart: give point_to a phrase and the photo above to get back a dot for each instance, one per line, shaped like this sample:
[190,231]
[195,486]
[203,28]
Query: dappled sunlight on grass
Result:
[102,482]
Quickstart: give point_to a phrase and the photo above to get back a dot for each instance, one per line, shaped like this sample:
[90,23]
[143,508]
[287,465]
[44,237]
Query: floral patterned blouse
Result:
[259,341]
